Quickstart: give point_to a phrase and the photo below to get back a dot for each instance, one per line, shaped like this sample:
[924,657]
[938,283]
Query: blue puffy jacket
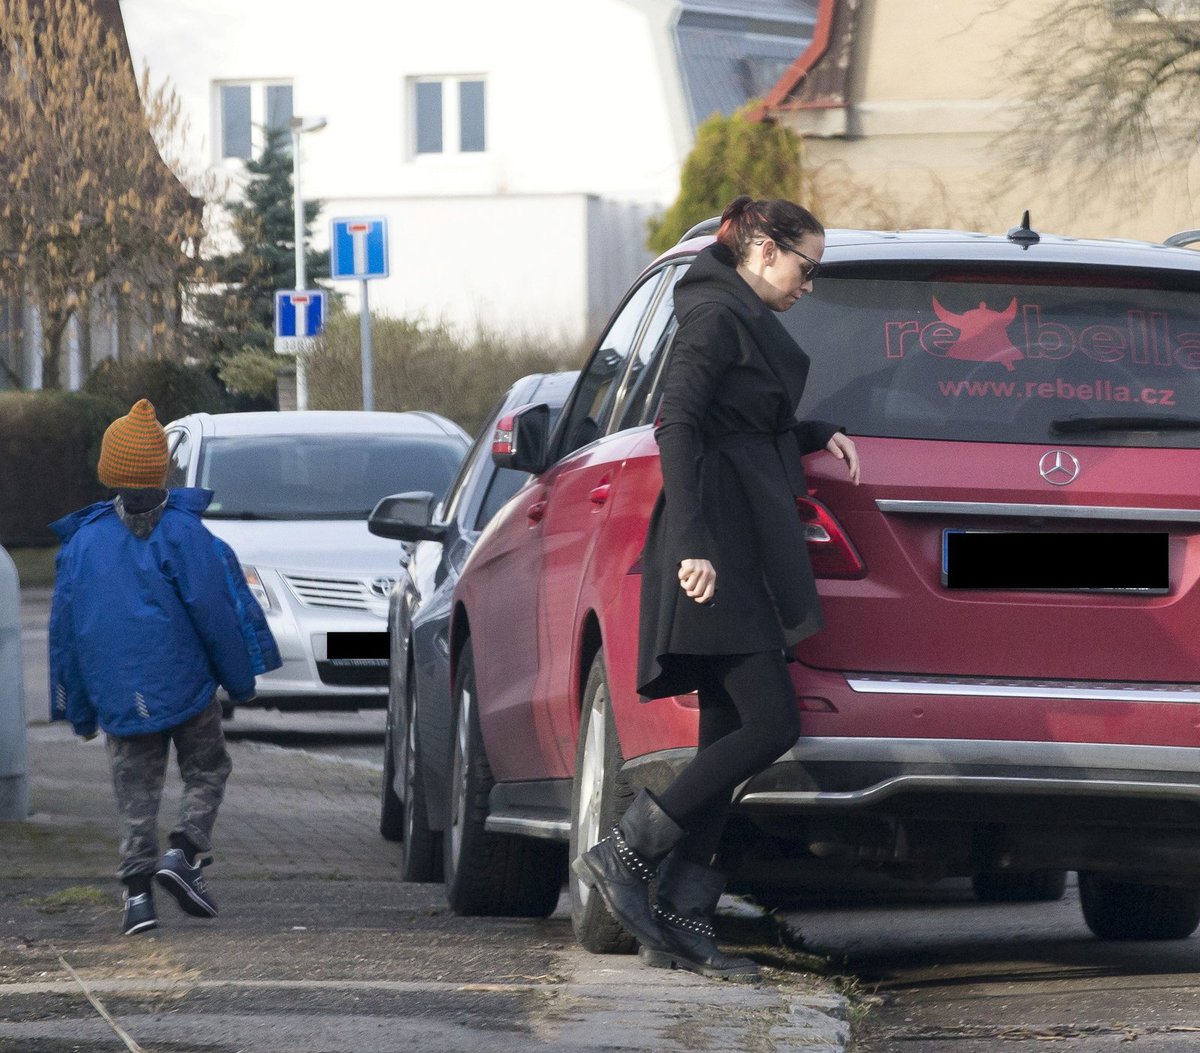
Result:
[142,630]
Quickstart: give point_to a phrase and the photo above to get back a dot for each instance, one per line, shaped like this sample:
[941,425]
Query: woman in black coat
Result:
[727,583]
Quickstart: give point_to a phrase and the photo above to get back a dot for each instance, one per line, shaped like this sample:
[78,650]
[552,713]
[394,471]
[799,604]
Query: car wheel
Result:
[421,858]
[391,808]
[488,873]
[1038,886]
[1127,910]
[599,797]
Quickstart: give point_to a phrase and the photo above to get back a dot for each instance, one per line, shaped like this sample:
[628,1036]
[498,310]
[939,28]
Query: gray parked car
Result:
[292,492]
[417,750]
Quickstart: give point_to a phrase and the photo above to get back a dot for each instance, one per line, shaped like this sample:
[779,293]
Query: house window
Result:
[449,115]
[247,110]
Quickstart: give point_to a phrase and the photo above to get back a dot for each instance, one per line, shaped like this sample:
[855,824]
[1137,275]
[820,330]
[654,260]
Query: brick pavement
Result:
[286,813]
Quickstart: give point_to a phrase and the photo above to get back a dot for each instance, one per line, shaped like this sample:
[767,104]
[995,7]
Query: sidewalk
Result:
[319,948]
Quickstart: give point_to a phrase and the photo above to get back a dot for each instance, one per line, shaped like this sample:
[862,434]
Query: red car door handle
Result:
[599,495]
[535,511]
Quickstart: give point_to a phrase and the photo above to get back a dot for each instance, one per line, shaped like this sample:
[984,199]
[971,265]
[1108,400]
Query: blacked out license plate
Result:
[358,648]
[1050,561]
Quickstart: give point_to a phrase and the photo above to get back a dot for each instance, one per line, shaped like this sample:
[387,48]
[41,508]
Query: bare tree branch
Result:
[85,196]
[1109,89]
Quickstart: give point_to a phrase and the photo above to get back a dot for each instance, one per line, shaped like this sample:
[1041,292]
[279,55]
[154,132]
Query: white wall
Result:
[576,106]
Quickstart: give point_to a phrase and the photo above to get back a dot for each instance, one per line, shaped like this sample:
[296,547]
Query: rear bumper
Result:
[821,775]
[935,807]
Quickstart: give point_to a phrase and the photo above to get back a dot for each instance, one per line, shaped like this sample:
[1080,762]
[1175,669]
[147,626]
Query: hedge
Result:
[50,440]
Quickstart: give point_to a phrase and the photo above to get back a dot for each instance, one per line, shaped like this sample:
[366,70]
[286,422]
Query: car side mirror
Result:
[522,439]
[406,517]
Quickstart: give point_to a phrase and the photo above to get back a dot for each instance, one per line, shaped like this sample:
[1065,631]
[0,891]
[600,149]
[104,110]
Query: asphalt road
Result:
[944,973]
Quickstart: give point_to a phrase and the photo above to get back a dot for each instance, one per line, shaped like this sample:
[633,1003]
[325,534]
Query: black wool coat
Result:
[730,445]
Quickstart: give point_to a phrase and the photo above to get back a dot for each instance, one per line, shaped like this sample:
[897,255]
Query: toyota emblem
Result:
[1058,467]
[382,586]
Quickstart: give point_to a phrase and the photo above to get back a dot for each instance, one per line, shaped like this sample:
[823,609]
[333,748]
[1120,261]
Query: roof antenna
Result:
[1024,235]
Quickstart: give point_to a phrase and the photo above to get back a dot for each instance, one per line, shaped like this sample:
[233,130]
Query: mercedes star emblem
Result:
[1058,467]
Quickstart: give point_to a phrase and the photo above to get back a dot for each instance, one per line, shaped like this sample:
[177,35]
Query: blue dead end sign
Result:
[358,247]
[299,313]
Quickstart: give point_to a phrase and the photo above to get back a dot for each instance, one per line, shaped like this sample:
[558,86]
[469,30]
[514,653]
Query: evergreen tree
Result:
[239,314]
[733,155]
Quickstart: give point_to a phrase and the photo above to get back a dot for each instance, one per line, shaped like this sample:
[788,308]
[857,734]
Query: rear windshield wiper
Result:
[1075,425]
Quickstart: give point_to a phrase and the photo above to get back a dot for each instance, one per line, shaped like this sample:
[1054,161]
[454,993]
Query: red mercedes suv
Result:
[1008,683]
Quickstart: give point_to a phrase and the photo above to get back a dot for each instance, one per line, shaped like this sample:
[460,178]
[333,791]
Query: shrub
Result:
[49,446]
[50,440]
[251,373]
[174,387]
[420,367]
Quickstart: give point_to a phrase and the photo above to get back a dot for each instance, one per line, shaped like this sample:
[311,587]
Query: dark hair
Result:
[745,219]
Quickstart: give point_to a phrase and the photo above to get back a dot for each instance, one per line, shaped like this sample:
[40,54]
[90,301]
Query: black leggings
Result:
[748,719]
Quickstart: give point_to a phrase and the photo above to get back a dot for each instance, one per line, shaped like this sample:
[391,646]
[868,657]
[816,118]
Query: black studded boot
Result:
[687,900]
[622,865]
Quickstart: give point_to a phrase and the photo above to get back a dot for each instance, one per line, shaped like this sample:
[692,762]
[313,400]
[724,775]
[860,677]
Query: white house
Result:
[517,149]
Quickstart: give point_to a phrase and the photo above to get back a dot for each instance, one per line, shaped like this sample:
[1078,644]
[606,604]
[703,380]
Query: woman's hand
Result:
[843,448]
[698,578]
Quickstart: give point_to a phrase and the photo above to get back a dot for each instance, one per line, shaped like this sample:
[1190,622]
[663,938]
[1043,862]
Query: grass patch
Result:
[35,566]
[70,898]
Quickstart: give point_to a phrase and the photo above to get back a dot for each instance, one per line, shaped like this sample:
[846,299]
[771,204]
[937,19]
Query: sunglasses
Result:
[813,268]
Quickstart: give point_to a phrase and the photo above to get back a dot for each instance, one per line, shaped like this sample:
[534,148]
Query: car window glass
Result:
[181,451]
[644,409]
[469,468]
[505,483]
[321,476]
[985,357]
[639,385]
[597,388]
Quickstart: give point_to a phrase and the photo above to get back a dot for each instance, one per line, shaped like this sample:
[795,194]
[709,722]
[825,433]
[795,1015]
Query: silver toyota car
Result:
[291,494]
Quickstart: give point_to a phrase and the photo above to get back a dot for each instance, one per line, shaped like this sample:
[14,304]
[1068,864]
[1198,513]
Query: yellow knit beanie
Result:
[133,453]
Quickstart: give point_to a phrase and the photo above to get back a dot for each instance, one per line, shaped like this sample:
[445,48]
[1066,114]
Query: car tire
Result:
[486,873]
[421,855]
[599,796]
[1037,886]
[1127,910]
[391,808]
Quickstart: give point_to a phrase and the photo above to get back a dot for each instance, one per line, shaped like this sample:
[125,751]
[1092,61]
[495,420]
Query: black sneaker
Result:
[139,913]
[186,883]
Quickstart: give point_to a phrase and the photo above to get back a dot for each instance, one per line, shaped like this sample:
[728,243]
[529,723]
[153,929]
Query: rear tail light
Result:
[829,548]
[502,437]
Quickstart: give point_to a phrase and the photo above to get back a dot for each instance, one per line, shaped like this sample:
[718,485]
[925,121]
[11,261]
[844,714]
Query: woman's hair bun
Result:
[736,207]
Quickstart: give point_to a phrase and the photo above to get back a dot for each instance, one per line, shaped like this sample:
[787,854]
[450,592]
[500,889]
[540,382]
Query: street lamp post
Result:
[298,126]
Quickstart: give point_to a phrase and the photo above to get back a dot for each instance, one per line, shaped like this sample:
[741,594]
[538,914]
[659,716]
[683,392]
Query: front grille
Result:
[365,672]
[338,594]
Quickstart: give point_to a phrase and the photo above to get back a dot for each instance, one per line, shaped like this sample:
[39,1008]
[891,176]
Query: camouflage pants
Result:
[139,768]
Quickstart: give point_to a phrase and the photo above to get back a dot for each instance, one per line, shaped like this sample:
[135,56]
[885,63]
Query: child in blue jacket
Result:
[151,613]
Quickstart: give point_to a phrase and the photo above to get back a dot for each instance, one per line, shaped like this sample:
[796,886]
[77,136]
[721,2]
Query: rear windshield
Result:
[1067,358]
[321,476]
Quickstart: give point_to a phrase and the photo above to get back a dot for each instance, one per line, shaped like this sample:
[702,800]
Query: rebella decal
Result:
[982,334]
[986,335]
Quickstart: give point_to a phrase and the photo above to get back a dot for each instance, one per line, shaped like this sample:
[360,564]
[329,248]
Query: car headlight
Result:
[257,589]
